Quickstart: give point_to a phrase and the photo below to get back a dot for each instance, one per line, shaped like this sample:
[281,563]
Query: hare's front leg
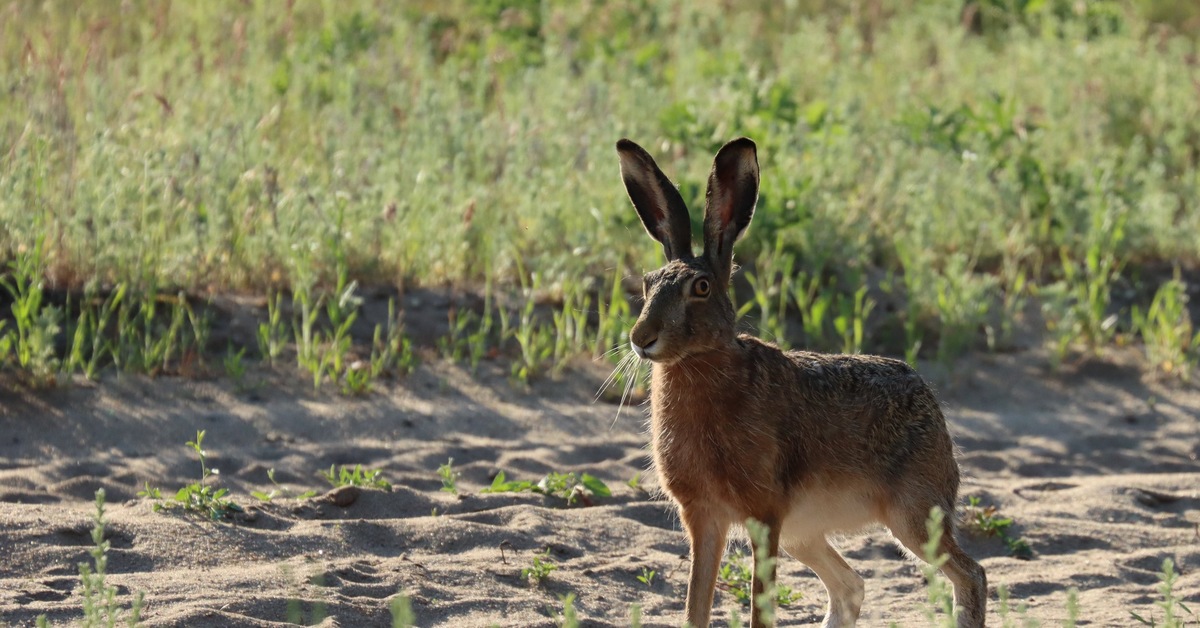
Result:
[706,534]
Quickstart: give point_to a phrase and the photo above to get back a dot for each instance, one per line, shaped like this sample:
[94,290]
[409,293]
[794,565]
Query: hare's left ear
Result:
[729,204]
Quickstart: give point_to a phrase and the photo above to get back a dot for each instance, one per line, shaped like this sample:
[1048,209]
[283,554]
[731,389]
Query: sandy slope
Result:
[1098,467]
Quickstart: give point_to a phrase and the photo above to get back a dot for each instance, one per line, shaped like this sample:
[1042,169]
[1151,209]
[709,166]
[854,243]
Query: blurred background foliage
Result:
[950,152]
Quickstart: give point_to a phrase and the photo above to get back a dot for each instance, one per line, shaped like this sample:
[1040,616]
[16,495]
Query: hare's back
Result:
[867,384]
[872,414]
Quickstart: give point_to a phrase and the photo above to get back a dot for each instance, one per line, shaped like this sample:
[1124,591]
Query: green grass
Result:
[1044,151]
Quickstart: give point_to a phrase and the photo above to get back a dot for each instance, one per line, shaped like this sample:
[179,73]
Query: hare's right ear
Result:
[656,200]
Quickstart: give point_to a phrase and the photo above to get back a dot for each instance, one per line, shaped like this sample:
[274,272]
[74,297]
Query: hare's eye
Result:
[701,287]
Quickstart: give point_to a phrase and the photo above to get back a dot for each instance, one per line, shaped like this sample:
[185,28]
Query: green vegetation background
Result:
[959,155]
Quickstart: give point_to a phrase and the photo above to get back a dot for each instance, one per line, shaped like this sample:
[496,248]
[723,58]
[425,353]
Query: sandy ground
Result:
[1098,466]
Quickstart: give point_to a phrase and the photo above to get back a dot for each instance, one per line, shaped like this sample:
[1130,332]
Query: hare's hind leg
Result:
[844,586]
[967,576]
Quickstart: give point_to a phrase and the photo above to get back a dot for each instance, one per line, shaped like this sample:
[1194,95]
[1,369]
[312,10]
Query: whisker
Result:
[611,379]
[629,366]
[613,351]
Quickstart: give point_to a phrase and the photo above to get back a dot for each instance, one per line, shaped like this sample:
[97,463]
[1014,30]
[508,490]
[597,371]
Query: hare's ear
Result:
[656,200]
[729,204]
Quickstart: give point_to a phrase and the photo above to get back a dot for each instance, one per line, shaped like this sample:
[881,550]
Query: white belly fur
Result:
[817,514]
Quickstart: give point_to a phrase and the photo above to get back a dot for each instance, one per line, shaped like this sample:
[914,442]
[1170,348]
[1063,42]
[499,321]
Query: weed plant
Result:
[566,486]
[1172,344]
[539,569]
[100,606]
[358,476]
[987,521]
[200,497]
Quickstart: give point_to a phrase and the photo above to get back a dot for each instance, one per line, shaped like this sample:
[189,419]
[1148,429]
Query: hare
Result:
[809,444]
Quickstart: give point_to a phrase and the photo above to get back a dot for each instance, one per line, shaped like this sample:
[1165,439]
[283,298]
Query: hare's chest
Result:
[700,464]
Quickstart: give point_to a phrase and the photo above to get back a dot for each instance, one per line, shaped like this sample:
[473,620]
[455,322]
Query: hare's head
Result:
[687,309]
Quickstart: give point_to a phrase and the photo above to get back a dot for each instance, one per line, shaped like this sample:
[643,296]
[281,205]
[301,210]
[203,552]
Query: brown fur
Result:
[807,443]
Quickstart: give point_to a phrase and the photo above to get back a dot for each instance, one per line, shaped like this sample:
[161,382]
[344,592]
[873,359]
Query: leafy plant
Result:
[771,287]
[357,378]
[816,304]
[199,497]
[456,344]
[566,486]
[306,334]
[95,322]
[570,618]
[367,478]
[1172,607]
[1076,307]
[402,613]
[851,318]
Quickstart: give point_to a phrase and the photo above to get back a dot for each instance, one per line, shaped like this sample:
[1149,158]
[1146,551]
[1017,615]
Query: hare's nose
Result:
[646,350]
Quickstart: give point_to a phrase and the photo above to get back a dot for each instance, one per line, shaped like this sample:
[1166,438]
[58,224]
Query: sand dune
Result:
[1098,466]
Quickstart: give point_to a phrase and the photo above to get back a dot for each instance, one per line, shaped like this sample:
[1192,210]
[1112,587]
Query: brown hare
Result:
[809,444]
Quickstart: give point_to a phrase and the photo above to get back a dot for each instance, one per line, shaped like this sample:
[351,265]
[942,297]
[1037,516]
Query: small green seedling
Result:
[647,577]
[402,612]
[449,477]
[540,569]
[570,618]
[235,369]
[278,491]
[367,478]
[986,520]
[357,379]
[567,486]
[736,578]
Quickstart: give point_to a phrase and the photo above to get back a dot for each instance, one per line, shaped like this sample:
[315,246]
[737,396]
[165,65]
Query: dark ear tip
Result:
[741,143]
[625,144]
